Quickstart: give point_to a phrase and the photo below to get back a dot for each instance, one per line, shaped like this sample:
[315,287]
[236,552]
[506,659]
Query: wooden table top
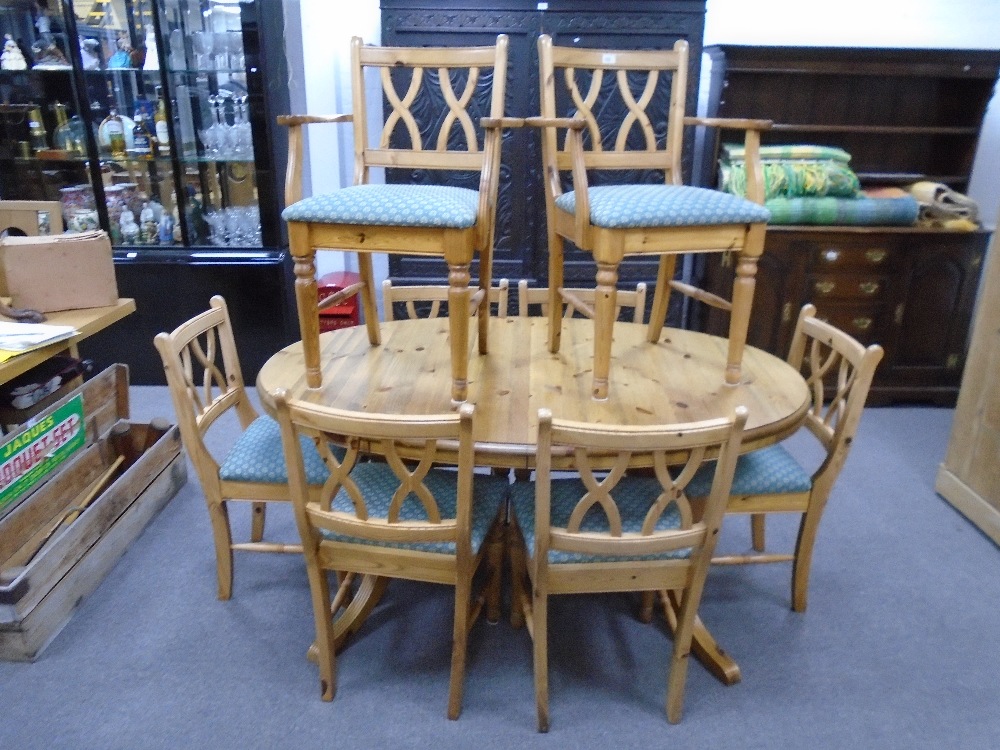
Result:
[86,321]
[679,379]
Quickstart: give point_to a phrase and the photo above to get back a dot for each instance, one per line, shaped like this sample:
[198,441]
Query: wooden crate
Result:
[38,599]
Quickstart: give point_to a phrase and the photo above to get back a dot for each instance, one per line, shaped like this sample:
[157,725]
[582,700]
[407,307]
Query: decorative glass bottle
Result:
[113,128]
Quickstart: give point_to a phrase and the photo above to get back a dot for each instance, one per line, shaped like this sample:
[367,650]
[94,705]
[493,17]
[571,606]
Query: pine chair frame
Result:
[203,373]
[436,296]
[584,150]
[535,578]
[580,301]
[382,434]
[456,246]
[821,350]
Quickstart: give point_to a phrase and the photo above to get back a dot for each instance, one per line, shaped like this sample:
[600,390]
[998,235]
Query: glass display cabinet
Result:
[154,120]
[136,116]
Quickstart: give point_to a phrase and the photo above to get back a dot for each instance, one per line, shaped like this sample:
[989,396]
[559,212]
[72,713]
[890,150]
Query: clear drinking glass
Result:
[203,43]
[234,45]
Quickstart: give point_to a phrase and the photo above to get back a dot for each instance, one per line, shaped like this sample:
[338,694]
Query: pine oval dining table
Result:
[680,378]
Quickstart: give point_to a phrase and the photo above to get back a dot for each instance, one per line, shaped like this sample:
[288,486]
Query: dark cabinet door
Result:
[933,318]
[520,249]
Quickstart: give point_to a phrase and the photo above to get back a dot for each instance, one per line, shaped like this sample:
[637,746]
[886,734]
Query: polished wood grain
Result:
[677,379]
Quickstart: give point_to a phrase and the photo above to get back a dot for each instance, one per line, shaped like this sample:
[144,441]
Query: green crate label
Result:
[39,450]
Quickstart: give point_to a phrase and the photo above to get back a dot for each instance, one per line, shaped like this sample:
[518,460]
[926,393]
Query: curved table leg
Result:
[703,645]
[351,607]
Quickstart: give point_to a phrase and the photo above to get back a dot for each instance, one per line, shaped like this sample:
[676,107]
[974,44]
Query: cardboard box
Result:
[34,218]
[45,574]
[66,272]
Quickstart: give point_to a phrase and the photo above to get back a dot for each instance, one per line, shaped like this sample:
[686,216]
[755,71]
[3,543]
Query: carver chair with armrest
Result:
[426,301]
[623,116]
[398,518]
[580,301]
[452,222]
[203,373]
[608,531]
[771,480]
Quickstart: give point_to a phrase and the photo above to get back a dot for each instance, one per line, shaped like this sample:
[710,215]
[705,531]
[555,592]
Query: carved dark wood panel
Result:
[520,245]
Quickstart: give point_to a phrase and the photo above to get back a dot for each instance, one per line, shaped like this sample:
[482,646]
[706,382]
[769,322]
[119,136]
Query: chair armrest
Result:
[501,122]
[574,127]
[293,120]
[730,123]
[293,173]
[751,148]
[570,123]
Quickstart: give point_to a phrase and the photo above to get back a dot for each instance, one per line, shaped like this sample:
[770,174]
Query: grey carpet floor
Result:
[900,647]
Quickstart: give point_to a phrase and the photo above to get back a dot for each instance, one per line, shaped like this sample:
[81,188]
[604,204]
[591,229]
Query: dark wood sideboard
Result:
[904,116]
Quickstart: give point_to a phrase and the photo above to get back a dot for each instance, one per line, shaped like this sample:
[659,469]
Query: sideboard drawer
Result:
[845,286]
[874,255]
[866,323]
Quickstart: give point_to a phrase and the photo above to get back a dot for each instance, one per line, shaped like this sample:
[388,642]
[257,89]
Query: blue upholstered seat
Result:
[377,484]
[633,495]
[630,206]
[258,457]
[440,206]
[768,471]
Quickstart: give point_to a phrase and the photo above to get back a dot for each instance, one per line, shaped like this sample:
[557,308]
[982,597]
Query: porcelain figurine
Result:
[11,57]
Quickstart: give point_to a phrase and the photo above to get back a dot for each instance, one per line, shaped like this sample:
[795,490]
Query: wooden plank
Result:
[53,612]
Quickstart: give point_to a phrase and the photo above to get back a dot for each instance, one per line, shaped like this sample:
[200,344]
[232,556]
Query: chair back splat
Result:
[413,213]
[614,187]
[607,530]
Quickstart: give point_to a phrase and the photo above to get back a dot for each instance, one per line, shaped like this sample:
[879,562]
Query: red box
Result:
[338,316]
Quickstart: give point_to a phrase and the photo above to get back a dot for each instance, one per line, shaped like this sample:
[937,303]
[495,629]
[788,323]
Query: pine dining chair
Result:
[623,116]
[609,531]
[421,216]
[839,371]
[203,372]
[398,518]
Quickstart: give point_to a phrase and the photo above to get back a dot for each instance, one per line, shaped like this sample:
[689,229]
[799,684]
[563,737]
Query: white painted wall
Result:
[327,28]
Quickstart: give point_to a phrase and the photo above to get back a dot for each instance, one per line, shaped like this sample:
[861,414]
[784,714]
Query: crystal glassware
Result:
[203,43]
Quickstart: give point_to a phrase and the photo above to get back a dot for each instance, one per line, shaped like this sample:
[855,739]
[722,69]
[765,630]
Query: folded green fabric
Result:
[735,152]
[794,178]
[853,211]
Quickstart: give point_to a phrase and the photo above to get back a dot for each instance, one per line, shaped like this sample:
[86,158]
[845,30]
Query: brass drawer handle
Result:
[824,287]
[831,255]
[862,324]
[875,256]
[868,287]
